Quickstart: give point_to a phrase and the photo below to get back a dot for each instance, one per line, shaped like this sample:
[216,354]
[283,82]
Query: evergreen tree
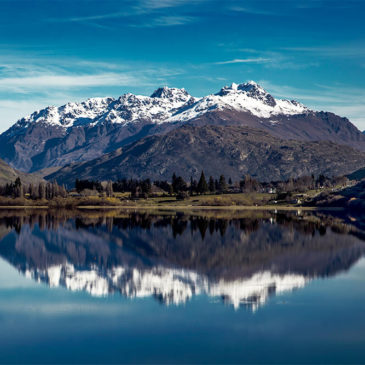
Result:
[18,191]
[21,192]
[321,180]
[173,182]
[195,186]
[178,184]
[146,187]
[211,184]
[202,184]
[8,189]
[48,191]
[42,191]
[17,182]
[33,192]
[222,184]
[216,184]
[191,186]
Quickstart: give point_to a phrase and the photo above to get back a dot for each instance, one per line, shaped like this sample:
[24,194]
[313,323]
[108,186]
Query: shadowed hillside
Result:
[230,150]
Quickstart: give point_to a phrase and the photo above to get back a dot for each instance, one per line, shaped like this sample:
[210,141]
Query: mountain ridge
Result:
[77,132]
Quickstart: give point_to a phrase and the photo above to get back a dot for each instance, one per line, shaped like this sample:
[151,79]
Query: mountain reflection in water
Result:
[243,260]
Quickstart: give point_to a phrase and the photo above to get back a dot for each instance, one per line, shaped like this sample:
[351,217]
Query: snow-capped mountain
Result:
[128,108]
[164,105]
[77,132]
[248,97]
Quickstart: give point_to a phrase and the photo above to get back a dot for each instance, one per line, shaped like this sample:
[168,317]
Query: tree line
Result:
[248,184]
[42,190]
[142,188]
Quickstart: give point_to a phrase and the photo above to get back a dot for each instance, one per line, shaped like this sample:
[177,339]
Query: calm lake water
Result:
[250,287]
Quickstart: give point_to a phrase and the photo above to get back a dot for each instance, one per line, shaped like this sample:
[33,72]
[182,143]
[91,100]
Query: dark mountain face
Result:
[312,126]
[82,132]
[357,175]
[230,150]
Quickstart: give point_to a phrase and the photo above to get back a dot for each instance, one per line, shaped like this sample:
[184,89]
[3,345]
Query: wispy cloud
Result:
[44,73]
[160,4]
[28,84]
[343,51]
[270,58]
[286,7]
[250,10]
[244,60]
[142,13]
[166,21]
[85,18]
[32,83]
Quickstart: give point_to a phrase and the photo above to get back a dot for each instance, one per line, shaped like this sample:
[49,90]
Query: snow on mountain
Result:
[156,108]
[70,114]
[127,108]
[164,105]
[171,285]
[249,97]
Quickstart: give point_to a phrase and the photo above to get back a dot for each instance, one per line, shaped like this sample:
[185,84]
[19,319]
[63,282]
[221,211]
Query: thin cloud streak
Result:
[155,9]
[90,17]
[253,11]
[26,86]
[328,51]
[244,60]
[166,21]
[30,77]
[161,4]
[30,83]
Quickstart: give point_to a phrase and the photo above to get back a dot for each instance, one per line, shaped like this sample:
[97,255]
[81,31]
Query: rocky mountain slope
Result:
[8,175]
[83,131]
[230,150]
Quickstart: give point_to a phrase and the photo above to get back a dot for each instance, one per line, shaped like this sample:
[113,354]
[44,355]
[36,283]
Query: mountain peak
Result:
[170,93]
[250,89]
[251,86]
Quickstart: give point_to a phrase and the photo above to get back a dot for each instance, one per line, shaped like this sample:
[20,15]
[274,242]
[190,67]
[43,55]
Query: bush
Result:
[182,195]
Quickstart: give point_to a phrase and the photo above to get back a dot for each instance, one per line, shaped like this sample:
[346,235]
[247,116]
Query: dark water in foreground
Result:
[138,288]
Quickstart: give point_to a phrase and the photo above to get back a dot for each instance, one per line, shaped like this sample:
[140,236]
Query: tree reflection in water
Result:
[243,259]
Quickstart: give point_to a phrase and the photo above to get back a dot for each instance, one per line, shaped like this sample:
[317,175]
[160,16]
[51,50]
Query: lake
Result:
[211,287]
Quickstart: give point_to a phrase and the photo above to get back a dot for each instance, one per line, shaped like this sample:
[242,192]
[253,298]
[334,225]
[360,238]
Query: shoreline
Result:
[175,207]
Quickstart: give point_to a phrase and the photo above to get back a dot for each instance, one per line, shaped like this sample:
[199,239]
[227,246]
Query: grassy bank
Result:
[251,201]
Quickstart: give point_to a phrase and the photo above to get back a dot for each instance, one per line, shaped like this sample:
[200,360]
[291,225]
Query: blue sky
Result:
[54,51]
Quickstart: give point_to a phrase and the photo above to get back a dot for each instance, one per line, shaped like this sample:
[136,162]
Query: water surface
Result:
[248,287]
